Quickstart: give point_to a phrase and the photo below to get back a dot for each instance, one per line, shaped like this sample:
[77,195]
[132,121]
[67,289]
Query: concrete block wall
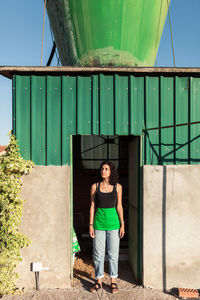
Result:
[171,226]
[46,221]
[171,223]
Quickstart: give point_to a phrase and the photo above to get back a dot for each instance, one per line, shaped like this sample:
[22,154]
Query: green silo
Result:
[107,32]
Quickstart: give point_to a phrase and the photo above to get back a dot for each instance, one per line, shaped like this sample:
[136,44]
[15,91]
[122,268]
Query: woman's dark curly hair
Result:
[113,179]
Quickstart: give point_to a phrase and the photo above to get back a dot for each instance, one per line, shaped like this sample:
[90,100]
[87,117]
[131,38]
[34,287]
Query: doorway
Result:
[88,153]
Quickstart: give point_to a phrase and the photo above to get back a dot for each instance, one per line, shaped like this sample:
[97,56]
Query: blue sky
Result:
[21,39]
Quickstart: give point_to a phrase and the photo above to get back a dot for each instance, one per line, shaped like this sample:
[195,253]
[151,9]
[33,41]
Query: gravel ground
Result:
[84,279]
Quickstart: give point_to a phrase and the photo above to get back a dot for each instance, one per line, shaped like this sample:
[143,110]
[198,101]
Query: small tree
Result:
[12,167]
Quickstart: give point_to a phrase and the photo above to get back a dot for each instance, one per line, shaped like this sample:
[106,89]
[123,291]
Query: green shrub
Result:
[12,167]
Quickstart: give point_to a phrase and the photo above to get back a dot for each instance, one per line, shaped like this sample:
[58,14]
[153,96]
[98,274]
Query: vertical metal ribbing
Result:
[14,105]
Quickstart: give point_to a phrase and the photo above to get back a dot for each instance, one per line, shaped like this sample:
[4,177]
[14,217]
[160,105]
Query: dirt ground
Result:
[83,280]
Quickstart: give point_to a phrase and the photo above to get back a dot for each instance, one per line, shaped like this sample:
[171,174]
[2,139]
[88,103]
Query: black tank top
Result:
[105,200]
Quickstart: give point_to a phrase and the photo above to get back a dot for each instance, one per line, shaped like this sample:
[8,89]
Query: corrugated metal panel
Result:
[106,105]
[152,107]
[23,116]
[136,113]
[68,114]
[14,104]
[166,118]
[54,128]
[38,116]
[48,109]
[121,104]
[95,104]
[194,117]
[181,116]
[84,113]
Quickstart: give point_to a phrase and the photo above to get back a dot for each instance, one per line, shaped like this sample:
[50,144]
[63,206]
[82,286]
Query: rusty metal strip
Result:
[171,126]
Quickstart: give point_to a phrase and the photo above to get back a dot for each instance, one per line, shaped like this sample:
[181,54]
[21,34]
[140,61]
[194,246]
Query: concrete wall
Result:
[46,221]
[171,226]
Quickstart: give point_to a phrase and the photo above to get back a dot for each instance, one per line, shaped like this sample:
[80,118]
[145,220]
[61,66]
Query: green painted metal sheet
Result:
[54,155]
[114,32]
[95,104]
[122,105]
[49,109]
[152,112]
[14,105]
[68,115]
[194,137]
[181,116]
[22,115]
[38,116]
[166,118]
[107,104]
[136,112]
[84,114]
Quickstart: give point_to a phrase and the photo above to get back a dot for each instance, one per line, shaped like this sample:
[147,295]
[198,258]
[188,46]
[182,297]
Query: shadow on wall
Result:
[164,227]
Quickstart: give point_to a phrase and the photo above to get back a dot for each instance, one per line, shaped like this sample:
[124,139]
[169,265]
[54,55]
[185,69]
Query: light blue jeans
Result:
[99,246]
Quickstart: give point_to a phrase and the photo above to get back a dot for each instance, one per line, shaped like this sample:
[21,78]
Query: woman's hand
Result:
[120,210]
[91,231]
[121,231]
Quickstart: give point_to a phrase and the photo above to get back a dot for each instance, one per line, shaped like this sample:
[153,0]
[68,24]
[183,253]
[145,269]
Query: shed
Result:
[146,120]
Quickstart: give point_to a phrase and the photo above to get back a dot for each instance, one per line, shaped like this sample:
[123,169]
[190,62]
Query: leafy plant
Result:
[12,167]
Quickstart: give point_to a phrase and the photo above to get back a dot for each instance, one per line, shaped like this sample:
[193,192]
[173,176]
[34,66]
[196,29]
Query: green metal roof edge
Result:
[10,71]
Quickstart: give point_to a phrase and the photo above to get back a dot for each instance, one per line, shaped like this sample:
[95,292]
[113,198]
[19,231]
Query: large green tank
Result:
[107,32]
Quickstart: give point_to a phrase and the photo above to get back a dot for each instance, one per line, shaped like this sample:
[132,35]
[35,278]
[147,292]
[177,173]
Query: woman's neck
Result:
[106,181]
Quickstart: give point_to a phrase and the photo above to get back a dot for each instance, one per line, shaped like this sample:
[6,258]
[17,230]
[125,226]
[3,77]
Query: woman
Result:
[106,224]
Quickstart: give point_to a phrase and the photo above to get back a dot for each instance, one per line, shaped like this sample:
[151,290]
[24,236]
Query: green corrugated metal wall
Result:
[48,109]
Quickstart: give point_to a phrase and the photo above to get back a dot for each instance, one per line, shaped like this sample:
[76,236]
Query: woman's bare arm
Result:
[120,209]
[92,207]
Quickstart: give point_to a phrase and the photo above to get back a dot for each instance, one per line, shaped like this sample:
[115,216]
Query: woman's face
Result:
[105,171]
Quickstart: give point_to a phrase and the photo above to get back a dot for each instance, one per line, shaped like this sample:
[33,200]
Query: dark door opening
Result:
[88,153]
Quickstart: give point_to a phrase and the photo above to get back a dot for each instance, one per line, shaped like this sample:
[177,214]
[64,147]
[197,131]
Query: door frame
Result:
[139,275]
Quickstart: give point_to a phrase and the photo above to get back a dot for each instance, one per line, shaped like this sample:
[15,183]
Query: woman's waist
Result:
[106,219]
[106,212]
